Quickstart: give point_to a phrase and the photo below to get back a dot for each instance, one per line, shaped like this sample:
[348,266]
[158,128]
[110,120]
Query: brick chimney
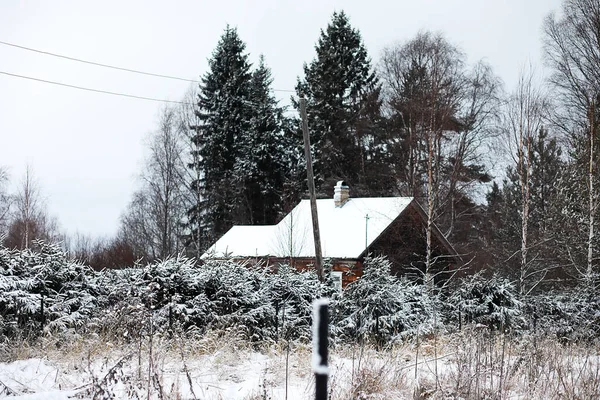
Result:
[341,194]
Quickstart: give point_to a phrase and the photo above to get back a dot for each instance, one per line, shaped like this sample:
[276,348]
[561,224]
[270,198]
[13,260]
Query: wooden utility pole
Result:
[311,191]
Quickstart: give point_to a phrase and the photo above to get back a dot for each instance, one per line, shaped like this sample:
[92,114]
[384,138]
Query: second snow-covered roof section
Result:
[345,231]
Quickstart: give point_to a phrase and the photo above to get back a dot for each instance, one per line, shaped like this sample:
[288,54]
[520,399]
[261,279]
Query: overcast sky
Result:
[86,149]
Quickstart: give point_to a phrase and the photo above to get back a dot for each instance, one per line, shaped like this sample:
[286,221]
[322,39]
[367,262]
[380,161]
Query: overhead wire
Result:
[93,90]
[96,63]
[135,71]
[106,91]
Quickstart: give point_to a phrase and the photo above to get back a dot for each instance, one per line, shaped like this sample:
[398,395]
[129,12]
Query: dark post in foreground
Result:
[320,347]
[311,191]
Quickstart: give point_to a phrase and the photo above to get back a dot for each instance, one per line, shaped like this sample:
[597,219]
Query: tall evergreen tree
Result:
[341,91]
[264,157]
[224,114]
[493,222]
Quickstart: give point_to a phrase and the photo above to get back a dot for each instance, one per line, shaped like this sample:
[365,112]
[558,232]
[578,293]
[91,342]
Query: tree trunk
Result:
[590,253]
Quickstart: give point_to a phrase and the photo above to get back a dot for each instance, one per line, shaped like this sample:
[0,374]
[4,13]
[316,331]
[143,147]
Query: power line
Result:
[94,90]
[135,71]
[106,91]
[96,63]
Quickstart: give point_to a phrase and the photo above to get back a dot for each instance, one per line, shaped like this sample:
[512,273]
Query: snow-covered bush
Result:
[238,298]
[176,293]
[44,289]
[219,294]
[291,294]
[570,315]
[492,302]
[382,307]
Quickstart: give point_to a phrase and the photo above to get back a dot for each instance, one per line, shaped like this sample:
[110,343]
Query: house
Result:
[350,228]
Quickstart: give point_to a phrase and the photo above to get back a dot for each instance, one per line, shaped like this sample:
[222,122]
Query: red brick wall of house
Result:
[351,269]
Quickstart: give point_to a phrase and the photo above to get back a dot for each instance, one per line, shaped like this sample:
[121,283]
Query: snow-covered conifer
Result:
[265,151]
[382,307]
[492,302]
[223,112]
[342,93]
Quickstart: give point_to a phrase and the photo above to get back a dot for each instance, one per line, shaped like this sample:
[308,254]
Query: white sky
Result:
[86,149]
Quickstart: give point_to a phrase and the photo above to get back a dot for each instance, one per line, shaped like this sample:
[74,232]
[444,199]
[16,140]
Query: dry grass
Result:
[472,364]
[490,365]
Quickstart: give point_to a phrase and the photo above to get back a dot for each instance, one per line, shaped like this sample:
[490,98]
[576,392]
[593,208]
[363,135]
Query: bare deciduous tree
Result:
[30,220]
[572,49]
[423,79]
[5,202]
[526,111]
[153,220]
[441,112]
[192,192]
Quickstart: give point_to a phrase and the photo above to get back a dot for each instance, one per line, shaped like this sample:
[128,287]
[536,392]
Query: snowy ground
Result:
[468,366]
[221,369]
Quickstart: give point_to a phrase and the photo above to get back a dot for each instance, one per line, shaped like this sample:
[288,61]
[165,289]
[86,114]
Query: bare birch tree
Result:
[153,221]
[526,111]
[192,175]
[423,78]
[5,202]
[442,112]
[592,196]
[572,49]
[29,219]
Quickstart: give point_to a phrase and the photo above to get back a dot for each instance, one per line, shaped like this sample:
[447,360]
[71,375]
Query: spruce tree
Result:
[341,89]
[546,168]
[264,154]
[224,114]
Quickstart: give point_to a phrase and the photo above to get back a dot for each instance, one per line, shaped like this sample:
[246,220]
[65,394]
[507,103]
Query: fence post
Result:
[170,315]
[320,347]
[42,317]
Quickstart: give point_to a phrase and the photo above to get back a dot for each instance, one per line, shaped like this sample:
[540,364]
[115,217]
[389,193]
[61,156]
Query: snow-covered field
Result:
[103,371]
[470,365]
[211,368]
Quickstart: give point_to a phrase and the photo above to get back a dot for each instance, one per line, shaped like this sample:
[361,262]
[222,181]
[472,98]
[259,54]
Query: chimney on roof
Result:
[341,193]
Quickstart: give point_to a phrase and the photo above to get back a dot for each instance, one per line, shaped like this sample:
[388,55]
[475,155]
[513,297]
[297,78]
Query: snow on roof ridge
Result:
[344,230]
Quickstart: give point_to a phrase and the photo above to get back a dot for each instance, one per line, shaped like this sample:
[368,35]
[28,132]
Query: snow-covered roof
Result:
[345,231]
[245,241]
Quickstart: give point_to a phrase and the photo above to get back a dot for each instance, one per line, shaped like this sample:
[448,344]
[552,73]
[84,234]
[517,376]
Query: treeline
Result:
[509,176]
